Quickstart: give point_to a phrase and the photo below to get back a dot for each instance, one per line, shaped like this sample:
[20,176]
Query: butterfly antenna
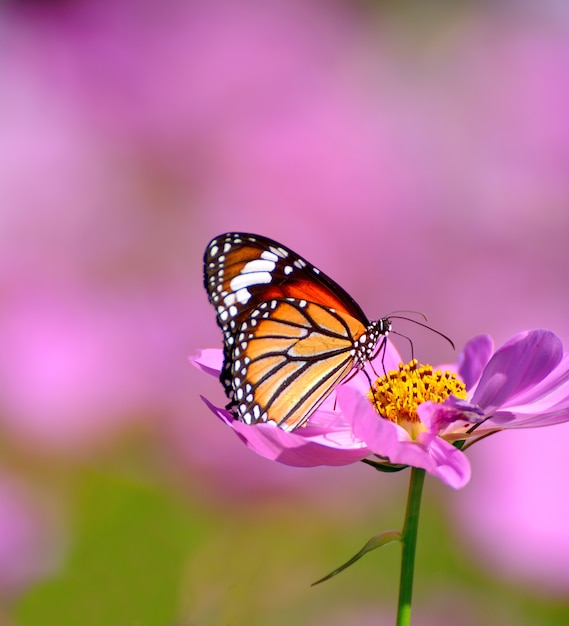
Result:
[434,330]
[394,332]
[399,311]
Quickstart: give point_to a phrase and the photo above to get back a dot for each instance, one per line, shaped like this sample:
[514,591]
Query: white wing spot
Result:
[258,265]
[278,251]
[269,256]
[250,279]
[214,250]
[288,270]
[243,296]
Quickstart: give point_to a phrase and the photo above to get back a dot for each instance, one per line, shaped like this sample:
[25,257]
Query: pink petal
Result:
[550,390]
[474,358]
[438,417]
[382,436]
[436,456]
[305,447]
[515,367]
[449,463]
[209,361]
[528,419]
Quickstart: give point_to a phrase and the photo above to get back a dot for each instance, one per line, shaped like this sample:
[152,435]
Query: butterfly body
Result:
[291,334]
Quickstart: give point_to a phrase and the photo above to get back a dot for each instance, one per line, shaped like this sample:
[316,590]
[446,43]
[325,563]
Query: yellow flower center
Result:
[397,395]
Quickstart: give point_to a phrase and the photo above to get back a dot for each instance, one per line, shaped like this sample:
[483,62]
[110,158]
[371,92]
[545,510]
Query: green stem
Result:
[409,542]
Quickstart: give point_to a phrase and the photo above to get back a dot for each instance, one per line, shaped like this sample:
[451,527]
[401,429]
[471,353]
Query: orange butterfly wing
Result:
[289,361]
[291,333]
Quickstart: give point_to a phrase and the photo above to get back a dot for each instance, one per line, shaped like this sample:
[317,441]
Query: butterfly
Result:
[291,334]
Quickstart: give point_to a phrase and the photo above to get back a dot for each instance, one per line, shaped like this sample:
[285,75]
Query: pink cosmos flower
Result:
[422,417]
[519,385]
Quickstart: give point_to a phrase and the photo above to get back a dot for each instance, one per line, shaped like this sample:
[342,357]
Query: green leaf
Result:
[377,541]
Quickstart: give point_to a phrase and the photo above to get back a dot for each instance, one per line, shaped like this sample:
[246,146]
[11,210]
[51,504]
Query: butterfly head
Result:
[370,343]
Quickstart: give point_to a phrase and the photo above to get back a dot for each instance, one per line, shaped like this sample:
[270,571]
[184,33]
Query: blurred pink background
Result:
[419,156]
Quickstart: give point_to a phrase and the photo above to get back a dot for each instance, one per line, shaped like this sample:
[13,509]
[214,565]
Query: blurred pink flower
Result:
[30,547]
[426,411]
[334,110]
[78,367]
[512,519]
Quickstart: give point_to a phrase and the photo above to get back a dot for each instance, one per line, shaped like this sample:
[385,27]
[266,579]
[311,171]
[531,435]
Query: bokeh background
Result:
[416,152]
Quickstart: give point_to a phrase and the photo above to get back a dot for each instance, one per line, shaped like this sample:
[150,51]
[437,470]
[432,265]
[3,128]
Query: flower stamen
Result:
[397,395]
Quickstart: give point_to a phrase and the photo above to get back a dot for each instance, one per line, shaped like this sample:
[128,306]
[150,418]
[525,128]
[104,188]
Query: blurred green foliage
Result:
[143,554]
